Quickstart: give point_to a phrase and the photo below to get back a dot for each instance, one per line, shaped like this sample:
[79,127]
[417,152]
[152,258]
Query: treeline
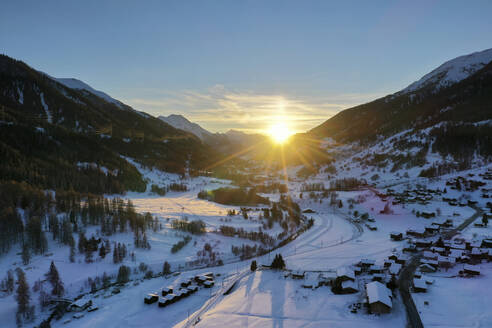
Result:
[194,227]
[312,187]
[233,196]
[463,140]
[271,187]
[260,236]
[63,215]
[438,169]
[246,251]
[347,184]
[180,244]
[161,191]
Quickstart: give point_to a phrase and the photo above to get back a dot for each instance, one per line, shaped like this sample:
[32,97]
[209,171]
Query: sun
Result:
[279,133]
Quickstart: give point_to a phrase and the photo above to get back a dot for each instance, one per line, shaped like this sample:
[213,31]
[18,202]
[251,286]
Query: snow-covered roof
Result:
[446,259]
[430,255]
[419,283]
[346,272]
[377,292]
[349,284]
[455,253]
[367,261]
[471,267]
[432,262]
[427,266]
[395,268]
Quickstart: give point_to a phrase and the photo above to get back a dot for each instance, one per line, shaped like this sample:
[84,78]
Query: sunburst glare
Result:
[279,132]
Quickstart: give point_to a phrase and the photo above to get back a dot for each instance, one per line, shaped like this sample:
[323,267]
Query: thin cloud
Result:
[220,109]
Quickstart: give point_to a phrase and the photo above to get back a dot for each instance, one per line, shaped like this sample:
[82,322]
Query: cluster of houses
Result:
[420,196]
[187,287]
[347,280]
[461,183]
[375,279]
[449,253]
[437,226]
[365,276]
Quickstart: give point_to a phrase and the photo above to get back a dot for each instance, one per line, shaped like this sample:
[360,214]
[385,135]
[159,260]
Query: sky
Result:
[243,64]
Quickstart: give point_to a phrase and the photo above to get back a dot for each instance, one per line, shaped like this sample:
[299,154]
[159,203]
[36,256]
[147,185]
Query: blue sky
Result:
[243,64]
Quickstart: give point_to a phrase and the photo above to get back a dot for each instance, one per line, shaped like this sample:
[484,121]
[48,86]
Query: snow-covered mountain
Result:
[452,71]
[182,123]
[79,85]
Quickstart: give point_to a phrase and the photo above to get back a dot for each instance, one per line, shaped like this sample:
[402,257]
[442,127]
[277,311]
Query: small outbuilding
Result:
[349,287]
[396,236]
[151,298]
[419,286]
[472,270]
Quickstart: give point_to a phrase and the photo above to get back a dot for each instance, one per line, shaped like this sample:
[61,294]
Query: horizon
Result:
[241,66]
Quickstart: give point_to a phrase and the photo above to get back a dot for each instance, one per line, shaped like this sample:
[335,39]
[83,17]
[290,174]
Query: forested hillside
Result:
[55,137]
[466,101]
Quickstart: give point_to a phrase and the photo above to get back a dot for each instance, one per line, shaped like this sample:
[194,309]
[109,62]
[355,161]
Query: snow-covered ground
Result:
[455,301]
[267,299]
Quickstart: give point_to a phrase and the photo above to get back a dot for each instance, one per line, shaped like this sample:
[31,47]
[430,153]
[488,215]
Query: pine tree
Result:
[123,274]
[82,243]
[278,262]
[88,255]
[23,297]
[54,278]
[116,255]
[166,269]
[9,285]
[26,254]
[253,265]
[106,280]
[107,246]
[102,251]
[72,254]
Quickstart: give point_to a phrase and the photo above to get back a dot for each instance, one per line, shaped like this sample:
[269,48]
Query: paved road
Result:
[406,275]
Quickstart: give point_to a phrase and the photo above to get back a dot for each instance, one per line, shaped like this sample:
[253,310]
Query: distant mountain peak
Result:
[180,122]
[452,71]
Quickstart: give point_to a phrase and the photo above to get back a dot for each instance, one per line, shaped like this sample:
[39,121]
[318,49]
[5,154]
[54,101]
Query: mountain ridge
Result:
[180,122]
[466,100]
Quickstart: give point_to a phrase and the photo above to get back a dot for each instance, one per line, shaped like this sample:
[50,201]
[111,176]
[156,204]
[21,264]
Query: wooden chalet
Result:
[379,298]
